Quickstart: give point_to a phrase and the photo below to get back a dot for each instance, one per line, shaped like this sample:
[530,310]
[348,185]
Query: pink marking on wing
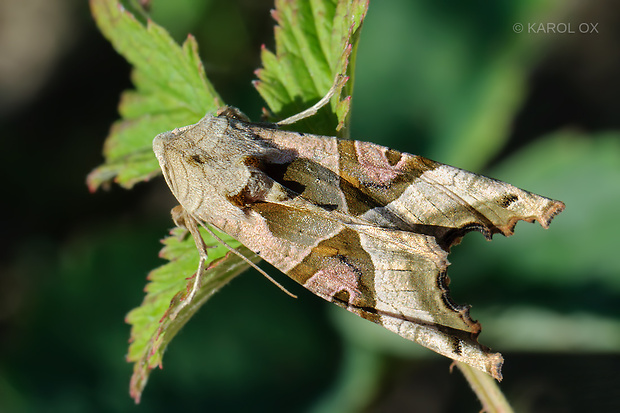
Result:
[375,165]
[320,149]
[327,282]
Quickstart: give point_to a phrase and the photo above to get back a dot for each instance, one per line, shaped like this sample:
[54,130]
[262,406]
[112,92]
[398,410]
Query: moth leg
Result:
[338,84]
[183,219]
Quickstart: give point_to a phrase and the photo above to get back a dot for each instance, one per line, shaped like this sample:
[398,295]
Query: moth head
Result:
[189,144]
[181,153]
[198,162]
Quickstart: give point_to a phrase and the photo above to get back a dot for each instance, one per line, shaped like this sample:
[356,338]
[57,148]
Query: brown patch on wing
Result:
[253,161]
[256,188]
[393,157]
[342,296]
[340,270]
[508,199]
[239,200]
[309,179]
[301,227]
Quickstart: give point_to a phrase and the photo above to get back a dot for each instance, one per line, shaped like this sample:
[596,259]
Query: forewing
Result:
[404,191]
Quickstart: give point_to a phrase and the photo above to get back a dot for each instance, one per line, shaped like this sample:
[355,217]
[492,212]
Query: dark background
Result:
[72,264]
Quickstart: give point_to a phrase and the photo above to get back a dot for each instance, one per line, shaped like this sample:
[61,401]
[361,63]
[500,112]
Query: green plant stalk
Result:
[486,388]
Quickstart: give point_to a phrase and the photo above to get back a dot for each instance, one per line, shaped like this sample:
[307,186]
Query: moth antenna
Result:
[244,258]
[338,83]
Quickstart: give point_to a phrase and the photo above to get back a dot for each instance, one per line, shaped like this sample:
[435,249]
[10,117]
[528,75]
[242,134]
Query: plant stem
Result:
[487,390]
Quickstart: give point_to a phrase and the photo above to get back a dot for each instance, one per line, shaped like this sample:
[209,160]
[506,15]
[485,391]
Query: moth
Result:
[358,224]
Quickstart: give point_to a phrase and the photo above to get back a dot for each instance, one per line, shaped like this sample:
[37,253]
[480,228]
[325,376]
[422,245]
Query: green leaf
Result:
[443,80]
[315,41]
[153,323]
[171,91]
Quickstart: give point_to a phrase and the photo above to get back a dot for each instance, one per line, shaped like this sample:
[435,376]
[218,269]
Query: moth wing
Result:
[392,277]
[405,191]
[389,264]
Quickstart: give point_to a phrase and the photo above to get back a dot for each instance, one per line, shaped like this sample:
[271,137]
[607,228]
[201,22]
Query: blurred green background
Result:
[452,81]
